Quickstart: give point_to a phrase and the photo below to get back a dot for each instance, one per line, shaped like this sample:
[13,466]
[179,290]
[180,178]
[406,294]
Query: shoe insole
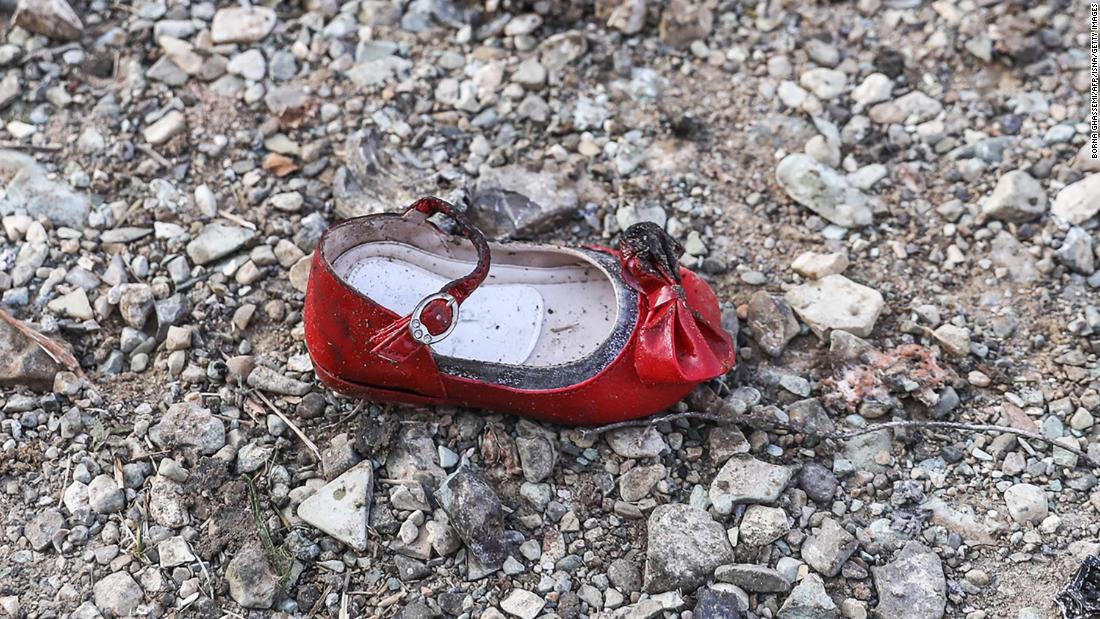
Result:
[499,323]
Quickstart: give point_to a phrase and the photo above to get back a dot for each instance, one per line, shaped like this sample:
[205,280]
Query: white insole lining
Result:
[520,315]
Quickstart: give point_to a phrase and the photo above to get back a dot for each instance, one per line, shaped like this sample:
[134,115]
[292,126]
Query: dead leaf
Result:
[293,117]
[279,165]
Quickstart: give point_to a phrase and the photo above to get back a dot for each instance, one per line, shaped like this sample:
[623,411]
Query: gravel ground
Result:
[894,200]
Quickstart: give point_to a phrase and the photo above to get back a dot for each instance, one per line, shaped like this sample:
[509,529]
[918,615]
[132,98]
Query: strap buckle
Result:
[419,331]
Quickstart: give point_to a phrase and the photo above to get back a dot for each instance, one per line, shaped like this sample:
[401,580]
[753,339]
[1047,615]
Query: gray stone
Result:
[818,482]
[104,495]
[828,547]
[537,457]
[809,416]
[836,302]
[41,530]
[636,483]
[252,581]
[912,585]
[1076,251]
[826,84]
[27,187]
[252,456]
[953,339]
[53,19]
[713,603]
[911,108]
[249,64]
[117,595]
[823,190]
[684,22]
[645,442]
[339,456]
[1011,255]
[217,241]
[477,516]
[625,576]
[167,70]
[626,16]
[10,88]
[813,265]
[863,451]
[744,479]
[809,600]
[753,578]
[135,303]
[267,379]
[514,202]
[25,363]
[684,545]
[1017,197]
[772,322]
[189,425]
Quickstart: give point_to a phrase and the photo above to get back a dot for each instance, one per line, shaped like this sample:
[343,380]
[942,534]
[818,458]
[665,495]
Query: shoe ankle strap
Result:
[436,315]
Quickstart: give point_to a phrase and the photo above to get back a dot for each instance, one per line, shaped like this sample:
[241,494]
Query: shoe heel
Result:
[371,392]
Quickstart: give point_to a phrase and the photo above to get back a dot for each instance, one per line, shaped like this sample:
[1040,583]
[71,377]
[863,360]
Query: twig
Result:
[648,421]
[44,148]
[148,150]
[358,408]
[959,425]
[757,421]
[293,426]
[56,351]
[237,219]
[48,51]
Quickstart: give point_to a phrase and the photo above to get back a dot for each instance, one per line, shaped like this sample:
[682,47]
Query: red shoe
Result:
[572,335]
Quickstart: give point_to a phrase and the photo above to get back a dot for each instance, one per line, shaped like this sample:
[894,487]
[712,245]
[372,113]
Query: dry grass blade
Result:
[757,422]
[56,351]
[278,556]
[293,426]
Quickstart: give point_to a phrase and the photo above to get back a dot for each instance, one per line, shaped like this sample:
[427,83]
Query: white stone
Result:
[955,340]
[762,525]
[174,551]
[875,88]
[522,604]
[290,201]
[825,83]
[913,108]
[1026,503]
[815,266]
[72,305]
[836,302]
[250,65]
[166,128]
[1078,202]
[182,53]
[341,508]
[823,190]
[242,24]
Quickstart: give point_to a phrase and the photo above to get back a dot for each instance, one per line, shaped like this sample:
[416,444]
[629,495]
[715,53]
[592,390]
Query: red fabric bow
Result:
[680,338]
